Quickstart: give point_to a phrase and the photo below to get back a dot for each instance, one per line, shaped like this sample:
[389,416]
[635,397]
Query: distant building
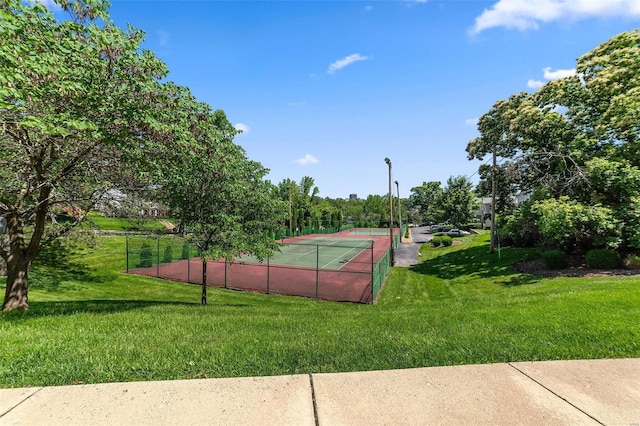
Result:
[484,212]
[353,196]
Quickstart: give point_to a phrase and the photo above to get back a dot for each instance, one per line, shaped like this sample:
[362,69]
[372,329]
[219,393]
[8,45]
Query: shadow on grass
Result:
[69,308]
[476,261]
[51,309]
[56,265]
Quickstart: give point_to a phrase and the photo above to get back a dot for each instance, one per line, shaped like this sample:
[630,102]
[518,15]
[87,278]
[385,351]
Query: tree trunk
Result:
[16,296]
[204,281]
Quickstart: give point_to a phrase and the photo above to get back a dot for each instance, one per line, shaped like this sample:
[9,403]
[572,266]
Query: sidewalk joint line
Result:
[19,403]
[313,399]
[554,393]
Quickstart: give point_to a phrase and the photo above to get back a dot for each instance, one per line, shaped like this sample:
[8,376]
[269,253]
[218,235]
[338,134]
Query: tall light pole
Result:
[386,160]
[399,206]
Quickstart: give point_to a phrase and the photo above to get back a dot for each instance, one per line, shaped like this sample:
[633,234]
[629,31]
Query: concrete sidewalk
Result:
[535,393]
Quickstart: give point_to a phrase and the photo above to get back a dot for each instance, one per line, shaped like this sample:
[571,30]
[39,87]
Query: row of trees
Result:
[84,110]
[575,147]
[456,203]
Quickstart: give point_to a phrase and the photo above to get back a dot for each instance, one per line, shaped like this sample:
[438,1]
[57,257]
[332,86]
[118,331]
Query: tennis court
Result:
[317,252]
[370,231]
[343,267]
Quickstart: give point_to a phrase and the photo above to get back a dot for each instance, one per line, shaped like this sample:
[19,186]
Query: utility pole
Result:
[290,215]
[492,244]
[386,160]
[399,206]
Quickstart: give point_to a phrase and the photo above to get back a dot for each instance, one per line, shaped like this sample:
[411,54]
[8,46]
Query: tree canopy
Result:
[83,110]
[577,138]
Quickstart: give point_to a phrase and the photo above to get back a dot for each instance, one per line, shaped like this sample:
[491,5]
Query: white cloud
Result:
[50,4]
[535,84]
[529,14]
[557,74]
[242,127]
[549,74]
[307,160]
[344,62]
[471,121]
[163,37]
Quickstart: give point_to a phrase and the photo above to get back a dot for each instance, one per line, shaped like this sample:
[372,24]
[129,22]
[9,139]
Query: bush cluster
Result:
[168,255]
[632,262]
[603,259]
[185,250]
[447,240]
[555,259]
[146,256]
[436,241]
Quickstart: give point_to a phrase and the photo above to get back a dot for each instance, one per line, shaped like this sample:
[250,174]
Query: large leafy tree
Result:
[578,137]
[305,207]
[75,99]
[426,198]
[216,191]
[458,201]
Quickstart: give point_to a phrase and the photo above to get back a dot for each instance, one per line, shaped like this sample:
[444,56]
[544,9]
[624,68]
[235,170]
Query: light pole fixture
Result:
[399,207]
[386,160]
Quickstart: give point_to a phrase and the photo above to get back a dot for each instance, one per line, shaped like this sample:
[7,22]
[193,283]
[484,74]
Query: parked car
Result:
[455,232]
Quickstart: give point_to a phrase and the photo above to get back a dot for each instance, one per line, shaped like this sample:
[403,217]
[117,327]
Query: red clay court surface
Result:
[353,282]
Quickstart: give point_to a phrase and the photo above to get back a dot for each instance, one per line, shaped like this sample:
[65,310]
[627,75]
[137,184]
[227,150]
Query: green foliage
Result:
[447,240]
[555,259]
[146,256]
[185,250]
[569,225]
[632,262]
[458,202]
[436,241]
[76,98]
[426,198]
[589,152]
[216,191]
[168,254]
[603,259]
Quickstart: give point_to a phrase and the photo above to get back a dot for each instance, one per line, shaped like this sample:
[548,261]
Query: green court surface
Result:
[369,231]
[319,252]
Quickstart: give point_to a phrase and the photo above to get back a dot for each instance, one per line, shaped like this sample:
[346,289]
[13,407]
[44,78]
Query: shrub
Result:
[185,250]
[436,241]
[555,259]
[603,259]
[407,233]
[146,256]
[447,240]
[632,262]
[168,255]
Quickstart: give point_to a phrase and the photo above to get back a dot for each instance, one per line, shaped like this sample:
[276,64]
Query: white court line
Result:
[360,250]
[334,242]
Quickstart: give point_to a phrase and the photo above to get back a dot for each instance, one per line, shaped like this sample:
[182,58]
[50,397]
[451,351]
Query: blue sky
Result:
[328,89]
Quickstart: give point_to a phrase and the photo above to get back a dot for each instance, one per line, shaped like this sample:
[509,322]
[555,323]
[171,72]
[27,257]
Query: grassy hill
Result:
[91,323]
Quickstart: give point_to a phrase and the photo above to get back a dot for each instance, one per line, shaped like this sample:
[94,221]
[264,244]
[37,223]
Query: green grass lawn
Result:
[90,323]
[124,224]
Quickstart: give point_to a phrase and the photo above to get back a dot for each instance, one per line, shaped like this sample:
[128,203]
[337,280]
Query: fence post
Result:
[317,267]
[373,265]
[126,245]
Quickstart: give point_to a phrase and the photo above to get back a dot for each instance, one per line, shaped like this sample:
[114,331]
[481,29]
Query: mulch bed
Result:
[576,269]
